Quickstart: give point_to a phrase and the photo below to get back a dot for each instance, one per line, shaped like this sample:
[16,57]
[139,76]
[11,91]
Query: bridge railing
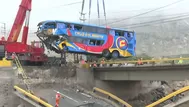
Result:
[171,61]
[5,63]
[33,97]
[169,96]
[125,104]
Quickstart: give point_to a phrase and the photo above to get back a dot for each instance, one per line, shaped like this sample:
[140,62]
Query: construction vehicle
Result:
[27,54]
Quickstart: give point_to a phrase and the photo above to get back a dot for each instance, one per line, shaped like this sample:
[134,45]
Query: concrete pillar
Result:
[122,89]
[85,78]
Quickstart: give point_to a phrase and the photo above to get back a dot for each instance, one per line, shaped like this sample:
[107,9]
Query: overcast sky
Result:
[53,9]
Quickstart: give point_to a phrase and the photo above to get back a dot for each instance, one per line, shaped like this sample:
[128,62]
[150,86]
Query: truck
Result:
[27,54]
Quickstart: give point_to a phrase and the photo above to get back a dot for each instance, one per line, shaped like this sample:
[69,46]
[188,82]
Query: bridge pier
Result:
[123,89]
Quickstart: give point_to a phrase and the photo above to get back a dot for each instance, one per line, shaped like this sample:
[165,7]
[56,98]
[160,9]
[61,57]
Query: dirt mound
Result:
[166,88]
[6,83]
[51,72]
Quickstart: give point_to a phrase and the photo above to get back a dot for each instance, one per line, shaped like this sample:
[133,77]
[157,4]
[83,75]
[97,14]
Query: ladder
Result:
[22,74]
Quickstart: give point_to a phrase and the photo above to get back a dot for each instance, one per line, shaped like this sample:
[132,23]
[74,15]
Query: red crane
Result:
[26,53]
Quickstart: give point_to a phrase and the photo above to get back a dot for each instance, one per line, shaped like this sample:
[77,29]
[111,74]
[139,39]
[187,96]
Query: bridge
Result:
[167,69]
[158,72]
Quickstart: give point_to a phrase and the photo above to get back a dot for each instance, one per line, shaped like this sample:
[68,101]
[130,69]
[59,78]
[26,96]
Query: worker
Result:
[94,64]
[58,96]
[139,61]
[103,62]
[82,61]
[180,61]
[13,56]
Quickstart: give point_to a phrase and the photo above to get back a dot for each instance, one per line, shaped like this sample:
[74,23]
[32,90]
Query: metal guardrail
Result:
[35,98]
[169,96]
[134,61]
[112,96]
[5,63]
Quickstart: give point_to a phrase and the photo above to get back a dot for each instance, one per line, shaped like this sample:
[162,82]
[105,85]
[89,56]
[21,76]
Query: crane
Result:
[33,53]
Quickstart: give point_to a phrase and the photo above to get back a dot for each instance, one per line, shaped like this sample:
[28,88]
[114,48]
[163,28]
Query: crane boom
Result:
[23,12]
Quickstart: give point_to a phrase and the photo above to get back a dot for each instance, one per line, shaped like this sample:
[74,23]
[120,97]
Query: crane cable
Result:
[104,12]
[89,9]
[82,7]
[98,12]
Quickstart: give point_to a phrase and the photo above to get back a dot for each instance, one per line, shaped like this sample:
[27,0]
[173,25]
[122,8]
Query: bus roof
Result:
[92,25]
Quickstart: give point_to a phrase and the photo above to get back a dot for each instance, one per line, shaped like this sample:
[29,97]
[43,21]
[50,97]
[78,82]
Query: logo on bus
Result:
[122,43]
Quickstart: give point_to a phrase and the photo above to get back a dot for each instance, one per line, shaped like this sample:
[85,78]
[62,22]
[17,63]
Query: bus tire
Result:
[106,53]
[115,54]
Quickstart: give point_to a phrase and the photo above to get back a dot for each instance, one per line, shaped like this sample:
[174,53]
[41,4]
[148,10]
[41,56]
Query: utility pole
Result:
[3,29]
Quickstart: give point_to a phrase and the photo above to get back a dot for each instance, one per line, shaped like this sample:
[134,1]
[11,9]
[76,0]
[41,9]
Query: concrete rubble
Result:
[159,92]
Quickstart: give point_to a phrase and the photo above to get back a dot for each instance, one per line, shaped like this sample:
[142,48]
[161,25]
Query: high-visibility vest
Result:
[180,62]
[58,96]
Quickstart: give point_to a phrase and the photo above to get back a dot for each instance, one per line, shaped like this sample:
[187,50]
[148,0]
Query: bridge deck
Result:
[158,72]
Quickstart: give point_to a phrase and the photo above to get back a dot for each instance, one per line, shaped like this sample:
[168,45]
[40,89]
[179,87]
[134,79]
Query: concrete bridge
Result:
[158,72]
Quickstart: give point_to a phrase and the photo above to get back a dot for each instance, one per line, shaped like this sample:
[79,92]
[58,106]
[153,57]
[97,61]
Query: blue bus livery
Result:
[87,39]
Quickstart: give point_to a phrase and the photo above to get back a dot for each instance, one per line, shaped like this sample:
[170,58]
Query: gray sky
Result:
[52,9]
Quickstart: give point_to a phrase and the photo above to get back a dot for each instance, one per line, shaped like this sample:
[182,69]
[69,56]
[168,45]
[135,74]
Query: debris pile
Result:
[166,88]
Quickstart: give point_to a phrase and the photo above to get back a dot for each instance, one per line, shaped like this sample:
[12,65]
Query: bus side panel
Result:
[132,43]
[92,48]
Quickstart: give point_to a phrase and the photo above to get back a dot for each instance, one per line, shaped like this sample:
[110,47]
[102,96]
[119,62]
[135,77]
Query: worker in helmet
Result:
[58,96]
[94,64]
[103,62]
[140,61]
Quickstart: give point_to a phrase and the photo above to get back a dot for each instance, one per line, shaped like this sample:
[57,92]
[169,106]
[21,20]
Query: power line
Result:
[163,21]
[146,12]
[158,20]
[73,3]
[152,16]
[69,4]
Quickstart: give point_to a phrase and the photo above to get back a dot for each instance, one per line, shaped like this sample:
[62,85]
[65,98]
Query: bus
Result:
[87,39]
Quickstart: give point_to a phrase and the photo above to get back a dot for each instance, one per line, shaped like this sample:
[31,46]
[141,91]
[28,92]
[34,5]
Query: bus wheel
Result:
[106,53]
[115,54]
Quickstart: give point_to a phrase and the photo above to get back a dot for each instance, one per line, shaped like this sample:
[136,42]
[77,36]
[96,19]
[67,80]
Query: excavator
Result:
[27,54]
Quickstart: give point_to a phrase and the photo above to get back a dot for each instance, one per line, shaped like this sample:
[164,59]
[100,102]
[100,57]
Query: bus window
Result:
[101,30]
[85,41]
[112,32]
[72,26]
[61,26]
[76,39]
[99,42]
[118,33]
[131,34]
[92,42]
[89,29]
[50,25]
[78,27]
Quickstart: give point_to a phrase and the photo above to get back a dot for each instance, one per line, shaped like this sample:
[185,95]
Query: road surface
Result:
[71,98]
